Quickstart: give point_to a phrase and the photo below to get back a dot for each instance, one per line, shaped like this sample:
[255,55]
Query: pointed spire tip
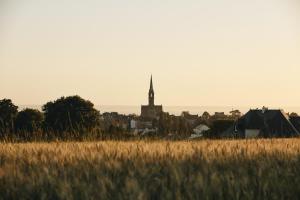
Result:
[151,83]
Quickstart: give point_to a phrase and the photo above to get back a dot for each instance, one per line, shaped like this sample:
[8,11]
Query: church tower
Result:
[151,111]
[151,94]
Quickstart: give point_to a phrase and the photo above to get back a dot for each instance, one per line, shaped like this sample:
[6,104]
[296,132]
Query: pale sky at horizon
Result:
[201,53]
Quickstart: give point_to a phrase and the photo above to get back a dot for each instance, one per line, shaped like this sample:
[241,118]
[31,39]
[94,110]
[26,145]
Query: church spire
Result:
[151,93]
[151,84]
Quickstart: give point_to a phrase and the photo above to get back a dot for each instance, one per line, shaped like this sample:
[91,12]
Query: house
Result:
[190,119]
[264,123]
[133,124]
[295,120]
[114,119]
[219,116]
[199,130]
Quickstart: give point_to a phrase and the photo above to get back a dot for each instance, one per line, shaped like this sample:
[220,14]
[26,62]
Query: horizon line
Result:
[124,105]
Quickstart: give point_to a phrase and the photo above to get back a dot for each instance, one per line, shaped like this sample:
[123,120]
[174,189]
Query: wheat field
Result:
[207,169]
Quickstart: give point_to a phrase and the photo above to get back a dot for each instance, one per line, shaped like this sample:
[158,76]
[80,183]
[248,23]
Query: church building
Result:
[151,111]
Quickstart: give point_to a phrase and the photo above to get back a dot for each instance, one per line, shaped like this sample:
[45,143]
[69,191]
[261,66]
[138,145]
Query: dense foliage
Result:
[66,118]
[8,114]
[246,169]
[218,127]
[71,114]
[29,121]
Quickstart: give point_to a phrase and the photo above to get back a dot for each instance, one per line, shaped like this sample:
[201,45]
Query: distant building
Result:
[199,130]
[151,111]
[296,122]
[190,119]
[133,124]
[219,116]
[114,119]
[266,123]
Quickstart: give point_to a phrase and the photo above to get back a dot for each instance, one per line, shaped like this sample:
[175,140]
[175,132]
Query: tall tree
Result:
[8,113]
[29,120]
[71,114]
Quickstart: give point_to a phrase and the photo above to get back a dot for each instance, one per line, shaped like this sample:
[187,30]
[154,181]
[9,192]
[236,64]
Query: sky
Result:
[200,52]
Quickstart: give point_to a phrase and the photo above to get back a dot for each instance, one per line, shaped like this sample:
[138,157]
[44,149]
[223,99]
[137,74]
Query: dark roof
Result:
[271,123]
[235,111]
[296,122]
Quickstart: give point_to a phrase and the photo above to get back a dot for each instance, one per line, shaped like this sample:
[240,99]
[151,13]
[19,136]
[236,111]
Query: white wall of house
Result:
[200,129]
[251,133]
[133,124]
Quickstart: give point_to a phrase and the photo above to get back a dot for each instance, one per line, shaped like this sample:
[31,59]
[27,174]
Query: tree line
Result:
[66,117]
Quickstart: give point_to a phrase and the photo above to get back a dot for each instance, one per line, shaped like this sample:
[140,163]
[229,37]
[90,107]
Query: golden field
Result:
[206,169]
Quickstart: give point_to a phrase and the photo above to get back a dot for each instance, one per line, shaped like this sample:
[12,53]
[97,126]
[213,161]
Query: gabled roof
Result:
[271,123]
[296,122]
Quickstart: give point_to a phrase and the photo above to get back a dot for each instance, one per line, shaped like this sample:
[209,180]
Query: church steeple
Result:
[151,93]
[151,84]
[151,111]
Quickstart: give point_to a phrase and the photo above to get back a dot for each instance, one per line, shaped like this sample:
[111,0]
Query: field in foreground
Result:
[245,169]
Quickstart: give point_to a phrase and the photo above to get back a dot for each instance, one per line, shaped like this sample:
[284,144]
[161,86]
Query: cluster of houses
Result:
[255,123]
[153,120]
[137,125]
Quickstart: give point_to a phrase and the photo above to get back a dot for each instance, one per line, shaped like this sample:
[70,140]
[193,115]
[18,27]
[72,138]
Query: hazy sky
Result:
[212,52]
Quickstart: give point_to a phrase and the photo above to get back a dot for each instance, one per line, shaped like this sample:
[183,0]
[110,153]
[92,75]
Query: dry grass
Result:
[222,169]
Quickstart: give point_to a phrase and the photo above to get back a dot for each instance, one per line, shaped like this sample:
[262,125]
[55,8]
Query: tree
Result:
[205,116]
[164,123]
[183,127]
[71,114]
[293,114]
[218,127]
[8,113]
[29,120]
